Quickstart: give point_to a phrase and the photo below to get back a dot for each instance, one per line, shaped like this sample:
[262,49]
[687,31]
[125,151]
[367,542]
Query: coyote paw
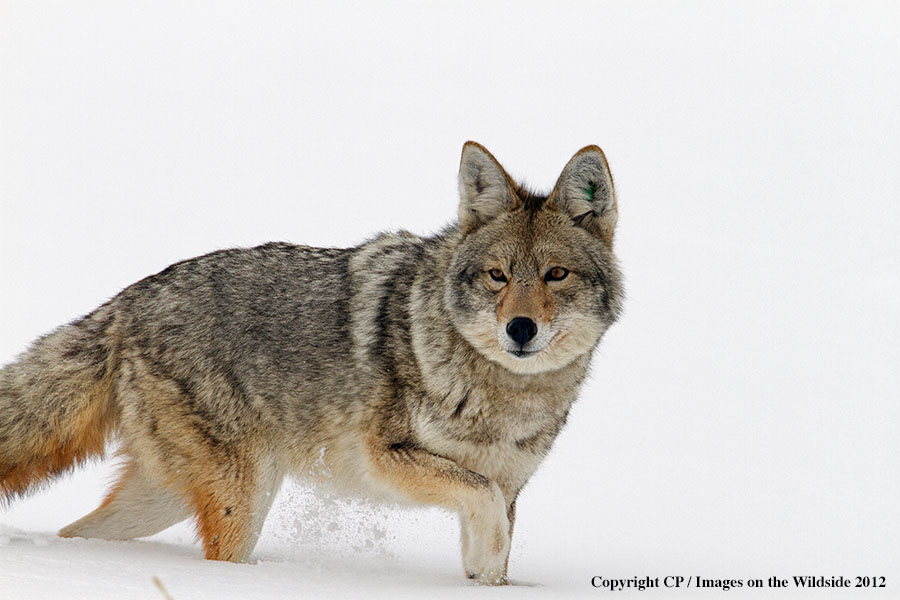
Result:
[489,578]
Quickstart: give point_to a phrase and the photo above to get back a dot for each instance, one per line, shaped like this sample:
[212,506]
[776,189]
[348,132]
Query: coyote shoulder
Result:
[433,370]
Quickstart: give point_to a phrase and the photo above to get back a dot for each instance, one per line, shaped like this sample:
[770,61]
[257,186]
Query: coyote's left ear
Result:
[585,191]
[485,190]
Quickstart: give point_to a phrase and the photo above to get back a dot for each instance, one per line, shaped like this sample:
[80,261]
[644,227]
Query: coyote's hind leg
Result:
[231,504]
[134,507]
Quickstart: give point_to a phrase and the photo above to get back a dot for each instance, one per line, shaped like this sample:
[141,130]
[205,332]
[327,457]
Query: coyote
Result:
[432,370]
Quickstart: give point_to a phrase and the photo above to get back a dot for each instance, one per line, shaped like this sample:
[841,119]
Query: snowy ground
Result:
[742,419]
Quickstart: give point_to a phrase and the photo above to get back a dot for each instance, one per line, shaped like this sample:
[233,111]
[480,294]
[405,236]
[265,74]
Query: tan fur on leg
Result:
[424,477]
[231,507]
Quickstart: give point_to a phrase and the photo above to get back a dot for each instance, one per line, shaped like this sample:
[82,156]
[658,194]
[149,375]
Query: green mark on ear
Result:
[590,190]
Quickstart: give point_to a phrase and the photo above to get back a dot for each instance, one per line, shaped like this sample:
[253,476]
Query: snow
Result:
[741,420]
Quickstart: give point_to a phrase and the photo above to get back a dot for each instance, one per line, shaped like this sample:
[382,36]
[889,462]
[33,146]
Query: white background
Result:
[742,419]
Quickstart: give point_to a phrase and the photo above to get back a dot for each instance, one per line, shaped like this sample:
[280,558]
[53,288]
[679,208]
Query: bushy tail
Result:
[56,403]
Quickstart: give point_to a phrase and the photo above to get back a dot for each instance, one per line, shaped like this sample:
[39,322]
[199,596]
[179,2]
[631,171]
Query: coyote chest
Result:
[502,435]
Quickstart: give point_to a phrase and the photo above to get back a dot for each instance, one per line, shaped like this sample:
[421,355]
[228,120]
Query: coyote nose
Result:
[521,329]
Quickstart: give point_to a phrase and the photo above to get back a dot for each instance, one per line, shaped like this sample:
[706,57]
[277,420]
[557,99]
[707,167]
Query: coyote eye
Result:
[556,274]
[497,275]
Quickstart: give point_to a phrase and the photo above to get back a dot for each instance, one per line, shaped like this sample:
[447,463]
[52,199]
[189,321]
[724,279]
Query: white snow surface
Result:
[742,418]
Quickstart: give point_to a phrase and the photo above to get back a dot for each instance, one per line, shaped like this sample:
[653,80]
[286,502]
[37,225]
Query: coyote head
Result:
[534,282]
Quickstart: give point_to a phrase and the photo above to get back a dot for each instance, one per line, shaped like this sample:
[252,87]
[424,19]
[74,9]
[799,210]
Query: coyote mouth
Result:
[523,353]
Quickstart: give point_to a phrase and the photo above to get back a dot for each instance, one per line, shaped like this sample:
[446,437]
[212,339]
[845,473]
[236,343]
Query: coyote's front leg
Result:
[425,477]
[486,538]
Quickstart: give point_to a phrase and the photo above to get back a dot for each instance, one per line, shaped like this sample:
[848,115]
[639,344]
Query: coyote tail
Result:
[56,403]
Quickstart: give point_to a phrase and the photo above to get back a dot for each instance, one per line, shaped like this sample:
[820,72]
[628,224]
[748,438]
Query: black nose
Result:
[522,330]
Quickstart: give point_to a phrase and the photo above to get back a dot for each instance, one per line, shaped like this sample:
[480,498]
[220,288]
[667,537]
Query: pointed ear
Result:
[485,190]
[585,191]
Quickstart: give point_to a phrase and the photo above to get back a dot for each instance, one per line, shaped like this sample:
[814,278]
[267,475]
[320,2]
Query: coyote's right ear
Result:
[485,190]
